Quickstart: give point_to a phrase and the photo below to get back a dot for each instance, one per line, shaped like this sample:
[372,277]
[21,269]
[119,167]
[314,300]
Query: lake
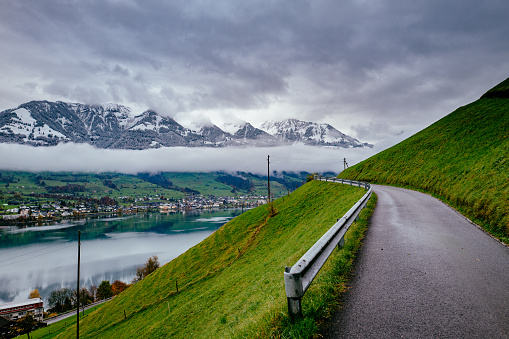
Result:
[45,257]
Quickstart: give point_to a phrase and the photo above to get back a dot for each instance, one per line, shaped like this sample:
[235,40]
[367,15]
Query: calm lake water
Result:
[45,257]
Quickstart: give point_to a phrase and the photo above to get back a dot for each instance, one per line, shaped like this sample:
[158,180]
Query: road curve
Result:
[424,272]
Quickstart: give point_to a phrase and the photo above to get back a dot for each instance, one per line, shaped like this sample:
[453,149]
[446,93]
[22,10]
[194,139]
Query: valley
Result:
[48,195]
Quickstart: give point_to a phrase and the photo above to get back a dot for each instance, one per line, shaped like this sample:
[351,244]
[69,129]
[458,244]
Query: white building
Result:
[17,310]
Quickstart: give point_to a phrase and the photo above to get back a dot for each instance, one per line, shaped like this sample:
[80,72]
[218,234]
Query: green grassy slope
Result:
[231,284]
[462,159]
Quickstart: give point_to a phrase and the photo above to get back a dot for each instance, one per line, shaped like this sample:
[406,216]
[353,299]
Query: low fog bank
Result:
[85,158]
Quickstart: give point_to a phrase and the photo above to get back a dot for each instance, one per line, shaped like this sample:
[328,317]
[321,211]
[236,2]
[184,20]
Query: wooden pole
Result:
[268,176]
[78,291]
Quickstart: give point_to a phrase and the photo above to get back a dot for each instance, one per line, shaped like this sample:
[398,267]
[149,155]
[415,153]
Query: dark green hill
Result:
[499,91]
[463,159]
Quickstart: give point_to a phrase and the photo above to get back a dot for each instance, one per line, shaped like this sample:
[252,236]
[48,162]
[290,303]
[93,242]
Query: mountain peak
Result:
[232,127]
[43,123]
[310,133]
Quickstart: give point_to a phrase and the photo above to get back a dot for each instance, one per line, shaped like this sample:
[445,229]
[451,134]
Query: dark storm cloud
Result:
[356,64]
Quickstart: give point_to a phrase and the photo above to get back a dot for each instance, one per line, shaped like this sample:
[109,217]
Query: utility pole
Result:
[345,164]
[78,290]
[268,176]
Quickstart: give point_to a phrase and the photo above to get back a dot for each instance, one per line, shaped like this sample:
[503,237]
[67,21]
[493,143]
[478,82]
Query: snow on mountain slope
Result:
[309,133]
[27,128]
[232,128]
[43,123]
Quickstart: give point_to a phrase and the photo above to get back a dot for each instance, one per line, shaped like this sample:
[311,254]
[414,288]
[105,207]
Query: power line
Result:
[281,160]
[12,263]
[21,255]
[19,248]
[253,165]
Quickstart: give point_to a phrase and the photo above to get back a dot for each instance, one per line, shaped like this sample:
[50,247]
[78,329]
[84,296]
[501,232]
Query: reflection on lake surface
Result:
[45,257]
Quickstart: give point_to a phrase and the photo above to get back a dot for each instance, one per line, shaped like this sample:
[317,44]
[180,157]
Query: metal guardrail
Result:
[299,277]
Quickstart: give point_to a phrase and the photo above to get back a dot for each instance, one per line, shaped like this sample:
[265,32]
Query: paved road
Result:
[425,272]
[72,313]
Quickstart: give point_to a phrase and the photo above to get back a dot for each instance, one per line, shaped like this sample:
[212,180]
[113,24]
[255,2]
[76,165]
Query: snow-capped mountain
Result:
[213,134]
[247,131]
[243,129]
[232,128]
[43,123]
[309,133]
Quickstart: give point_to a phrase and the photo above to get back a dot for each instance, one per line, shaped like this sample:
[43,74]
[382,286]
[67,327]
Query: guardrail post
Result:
[294,292]
[294,307]
[341,243]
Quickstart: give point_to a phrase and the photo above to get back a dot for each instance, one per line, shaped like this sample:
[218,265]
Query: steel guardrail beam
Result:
[299,276]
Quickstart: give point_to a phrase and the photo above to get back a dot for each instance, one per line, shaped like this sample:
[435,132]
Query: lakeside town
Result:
[35,211]
[33,197]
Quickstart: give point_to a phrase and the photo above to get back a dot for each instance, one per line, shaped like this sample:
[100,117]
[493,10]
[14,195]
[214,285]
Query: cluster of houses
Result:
[55,210]
[200,202]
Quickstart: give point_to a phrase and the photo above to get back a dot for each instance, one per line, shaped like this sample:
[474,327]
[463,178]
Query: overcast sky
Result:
[370,68]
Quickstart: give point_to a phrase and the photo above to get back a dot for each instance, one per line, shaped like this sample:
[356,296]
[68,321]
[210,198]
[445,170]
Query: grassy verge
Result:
[231,285]
[321,300]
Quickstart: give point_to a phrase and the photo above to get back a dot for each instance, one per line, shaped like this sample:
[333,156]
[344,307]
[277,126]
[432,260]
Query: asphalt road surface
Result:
[71,313]
[424,272]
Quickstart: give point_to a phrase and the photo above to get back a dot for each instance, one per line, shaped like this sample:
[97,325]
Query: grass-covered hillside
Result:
[231,284]
[462,159]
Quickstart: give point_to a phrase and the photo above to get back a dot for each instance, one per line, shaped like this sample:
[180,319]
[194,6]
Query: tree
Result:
[61,300]
[104,290]
[139,274]
[34,294]
[25,325]
[118,286]
[93,292]
[85,297]
[150,266]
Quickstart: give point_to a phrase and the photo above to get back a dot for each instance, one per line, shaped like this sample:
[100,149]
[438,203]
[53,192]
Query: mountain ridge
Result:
[307,132]
[44,123]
